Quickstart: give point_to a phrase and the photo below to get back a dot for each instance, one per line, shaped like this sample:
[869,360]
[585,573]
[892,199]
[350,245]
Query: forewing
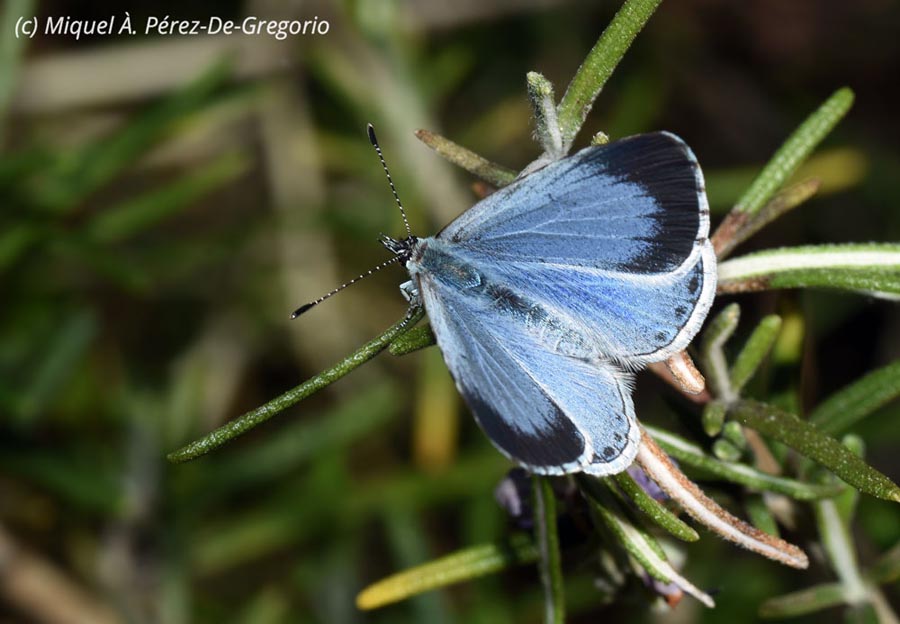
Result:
[637,205]
[551,413]
[613,238]
[633,318]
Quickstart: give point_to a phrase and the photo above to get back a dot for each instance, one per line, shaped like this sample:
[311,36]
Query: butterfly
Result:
[546,297]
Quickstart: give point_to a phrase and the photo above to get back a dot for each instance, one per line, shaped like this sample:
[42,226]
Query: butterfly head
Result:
[401,248]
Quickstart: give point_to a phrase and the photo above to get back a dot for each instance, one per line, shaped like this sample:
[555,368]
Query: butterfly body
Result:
[491,295]
[545,296]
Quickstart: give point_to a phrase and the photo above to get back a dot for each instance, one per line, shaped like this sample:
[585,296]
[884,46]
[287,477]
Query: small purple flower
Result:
[647,484]
[513,494]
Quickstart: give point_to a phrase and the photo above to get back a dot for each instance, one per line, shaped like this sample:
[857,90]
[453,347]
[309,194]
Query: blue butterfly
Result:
[548,294]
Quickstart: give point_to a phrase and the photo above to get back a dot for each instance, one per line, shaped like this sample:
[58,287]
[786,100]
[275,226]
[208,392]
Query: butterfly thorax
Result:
[445,262]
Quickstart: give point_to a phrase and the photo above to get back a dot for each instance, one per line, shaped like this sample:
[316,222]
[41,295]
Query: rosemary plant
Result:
[785,464]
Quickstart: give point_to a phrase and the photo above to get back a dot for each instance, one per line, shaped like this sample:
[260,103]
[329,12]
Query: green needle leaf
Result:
[734,433]
[755,351]
[760,516]
[640,544]
[795,150]
[477,165]
[714,417]
[739,226]
[543,106]
[854,402]
[692,455]
[603,58]
[726,451]
[712,355]
[261,414]
[809,441]
[847,500]
[297,443]
[655,510]
[462,565]
[548,546]
[804,601]
[872,269]
[413,339]
[720,328]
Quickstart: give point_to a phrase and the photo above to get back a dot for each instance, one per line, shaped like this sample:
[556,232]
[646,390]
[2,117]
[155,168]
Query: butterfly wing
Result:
[632,318]
[552,413]
[636,205]
[614,236]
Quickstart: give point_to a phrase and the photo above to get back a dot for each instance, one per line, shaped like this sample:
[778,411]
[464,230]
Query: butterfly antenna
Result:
[371,130]
[311,304]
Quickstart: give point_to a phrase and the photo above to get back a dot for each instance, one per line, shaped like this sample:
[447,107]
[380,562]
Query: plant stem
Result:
[712,355]
[548,545]
[839,547]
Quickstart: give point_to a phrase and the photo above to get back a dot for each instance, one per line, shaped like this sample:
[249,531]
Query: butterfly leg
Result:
[411,293]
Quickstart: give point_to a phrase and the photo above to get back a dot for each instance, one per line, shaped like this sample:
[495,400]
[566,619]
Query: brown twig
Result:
[703,509]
